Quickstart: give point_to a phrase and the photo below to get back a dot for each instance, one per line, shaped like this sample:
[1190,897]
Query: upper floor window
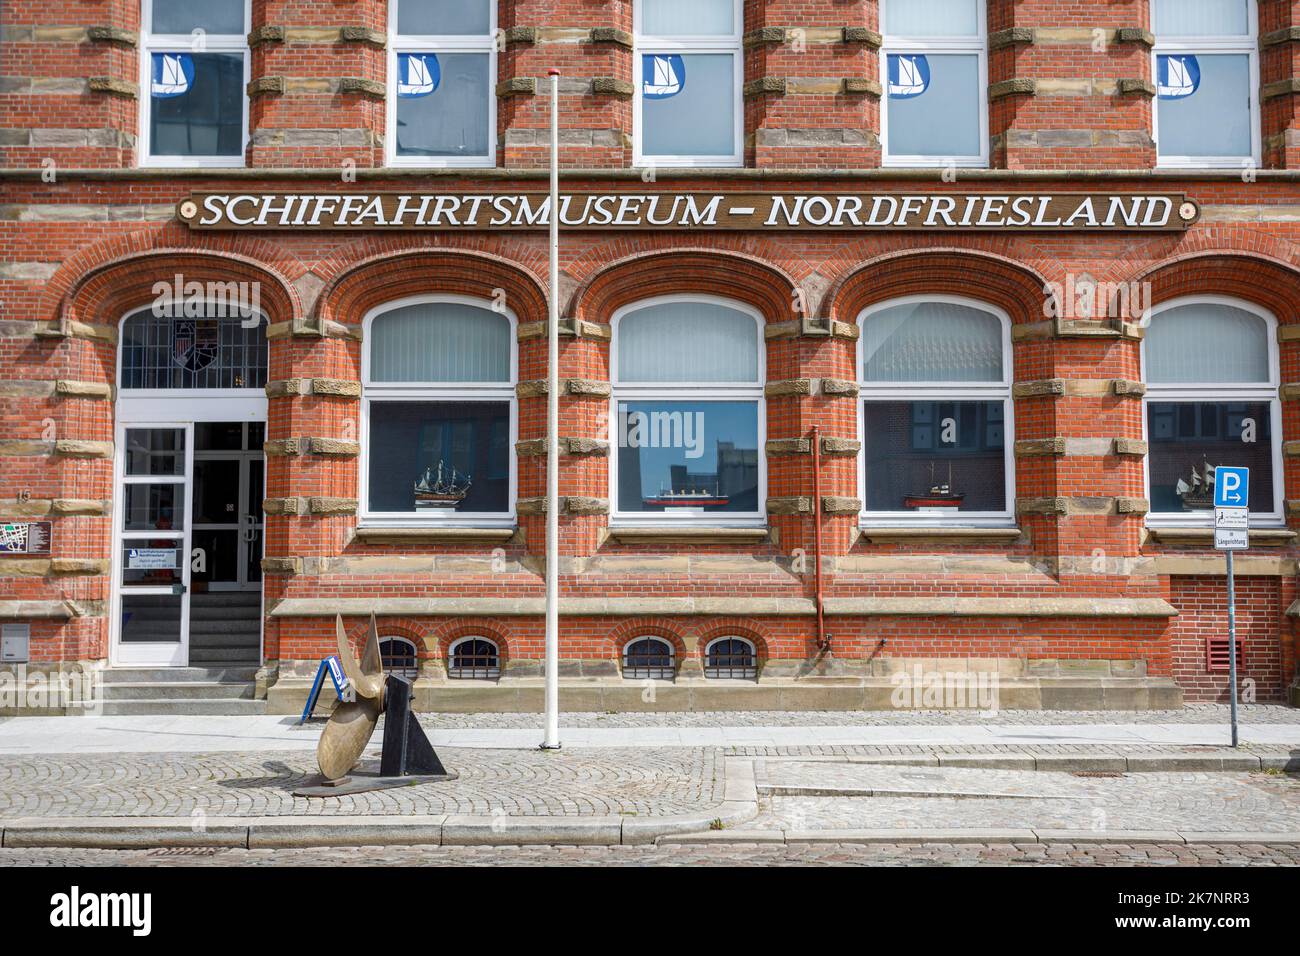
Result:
[438,402]
[196,348]
[1212,399]
[687,412]
[936,412]
[688,69]
[935,78]
[193,76]
[442,83]
[1206,108]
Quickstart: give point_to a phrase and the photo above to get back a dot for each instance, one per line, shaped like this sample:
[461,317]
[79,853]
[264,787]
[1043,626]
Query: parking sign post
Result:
[1231,524]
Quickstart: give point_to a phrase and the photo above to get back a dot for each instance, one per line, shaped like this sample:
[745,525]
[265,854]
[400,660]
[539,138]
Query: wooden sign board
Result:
[845,212]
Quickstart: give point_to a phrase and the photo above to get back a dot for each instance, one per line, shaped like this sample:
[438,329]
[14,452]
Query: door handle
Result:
[250,529]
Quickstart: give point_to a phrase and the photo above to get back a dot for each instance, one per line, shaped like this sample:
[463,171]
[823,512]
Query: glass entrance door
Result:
[154,535]
[227,506]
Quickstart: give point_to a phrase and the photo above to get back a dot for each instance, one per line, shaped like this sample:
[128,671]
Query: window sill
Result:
[994,535]
[1204,537]
[408,535]
[695,535]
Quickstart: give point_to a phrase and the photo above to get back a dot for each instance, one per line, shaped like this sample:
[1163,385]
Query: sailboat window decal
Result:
[418,74]
[173,75]
[664,75]
[1178,77]
[909,76]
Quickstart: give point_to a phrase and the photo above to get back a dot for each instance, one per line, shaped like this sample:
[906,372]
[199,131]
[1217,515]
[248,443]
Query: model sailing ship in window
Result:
[1198,494]
[940,497]
[442,490]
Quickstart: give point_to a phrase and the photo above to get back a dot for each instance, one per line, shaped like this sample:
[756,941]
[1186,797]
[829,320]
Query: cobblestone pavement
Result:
[568,783]
[1204,802]
[829,854]
[1190,714]
[1006,750]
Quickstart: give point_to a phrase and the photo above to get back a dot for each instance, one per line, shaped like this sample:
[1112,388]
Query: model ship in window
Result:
[1198,494]
[687,498]
[441,490]
[940,497]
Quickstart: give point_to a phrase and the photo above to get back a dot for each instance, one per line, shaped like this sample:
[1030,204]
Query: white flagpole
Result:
[552,738]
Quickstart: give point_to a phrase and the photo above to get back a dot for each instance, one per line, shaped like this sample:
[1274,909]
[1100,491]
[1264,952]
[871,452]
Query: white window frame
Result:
[686,392]
[451,656]
[940,392]
[684,44]
[1219,392]
[1208,46]
[151,43]
[379,392]
[977,45]
[456,43]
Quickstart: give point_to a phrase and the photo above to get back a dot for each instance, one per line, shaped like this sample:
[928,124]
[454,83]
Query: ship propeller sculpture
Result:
[407,756]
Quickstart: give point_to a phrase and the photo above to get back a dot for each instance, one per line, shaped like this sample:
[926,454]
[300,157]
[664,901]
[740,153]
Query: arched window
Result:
[399,657]
[648,657]
[439,400]
[936,412]
[730,657]
[182,344]
[687,413]
[474,658]
[1210,366]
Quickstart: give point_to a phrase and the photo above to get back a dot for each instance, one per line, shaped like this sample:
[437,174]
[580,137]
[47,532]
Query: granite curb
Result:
[1070,763]
[981,835]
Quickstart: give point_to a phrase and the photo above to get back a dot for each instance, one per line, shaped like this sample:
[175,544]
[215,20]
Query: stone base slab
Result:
[615,695]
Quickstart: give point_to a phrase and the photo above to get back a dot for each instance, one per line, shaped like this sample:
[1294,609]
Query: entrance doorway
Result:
[190,527]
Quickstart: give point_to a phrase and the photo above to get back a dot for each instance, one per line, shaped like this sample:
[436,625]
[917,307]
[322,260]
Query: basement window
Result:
[934,67]
[1205,64]
[689,68]
[1218,658]
[442,83]
[474,658]
[194,67]
[649,658]
[399,657]
[731,658]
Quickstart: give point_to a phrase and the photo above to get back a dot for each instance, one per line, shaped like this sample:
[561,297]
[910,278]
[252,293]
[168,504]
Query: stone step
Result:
[171,675]
[178,690]
[223,628]
[224,707]
[217,656]
[218,612]
[227,598]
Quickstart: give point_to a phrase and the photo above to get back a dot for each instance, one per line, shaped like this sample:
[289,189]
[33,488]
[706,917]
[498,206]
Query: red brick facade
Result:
[84,244]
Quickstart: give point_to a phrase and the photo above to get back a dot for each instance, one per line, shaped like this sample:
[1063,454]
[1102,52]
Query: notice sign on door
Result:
[151,559]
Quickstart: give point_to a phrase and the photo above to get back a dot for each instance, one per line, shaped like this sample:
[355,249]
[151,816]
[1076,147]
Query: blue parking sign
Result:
[1231,487]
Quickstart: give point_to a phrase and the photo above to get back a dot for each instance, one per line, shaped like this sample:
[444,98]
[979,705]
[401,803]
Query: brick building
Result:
[955,300]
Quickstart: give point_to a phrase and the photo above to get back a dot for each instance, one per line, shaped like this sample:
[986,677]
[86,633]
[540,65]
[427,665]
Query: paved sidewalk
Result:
[140,734]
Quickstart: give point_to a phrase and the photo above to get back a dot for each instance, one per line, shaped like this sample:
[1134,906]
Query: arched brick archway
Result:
[730,275]
[1271,283]
[1016,289]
